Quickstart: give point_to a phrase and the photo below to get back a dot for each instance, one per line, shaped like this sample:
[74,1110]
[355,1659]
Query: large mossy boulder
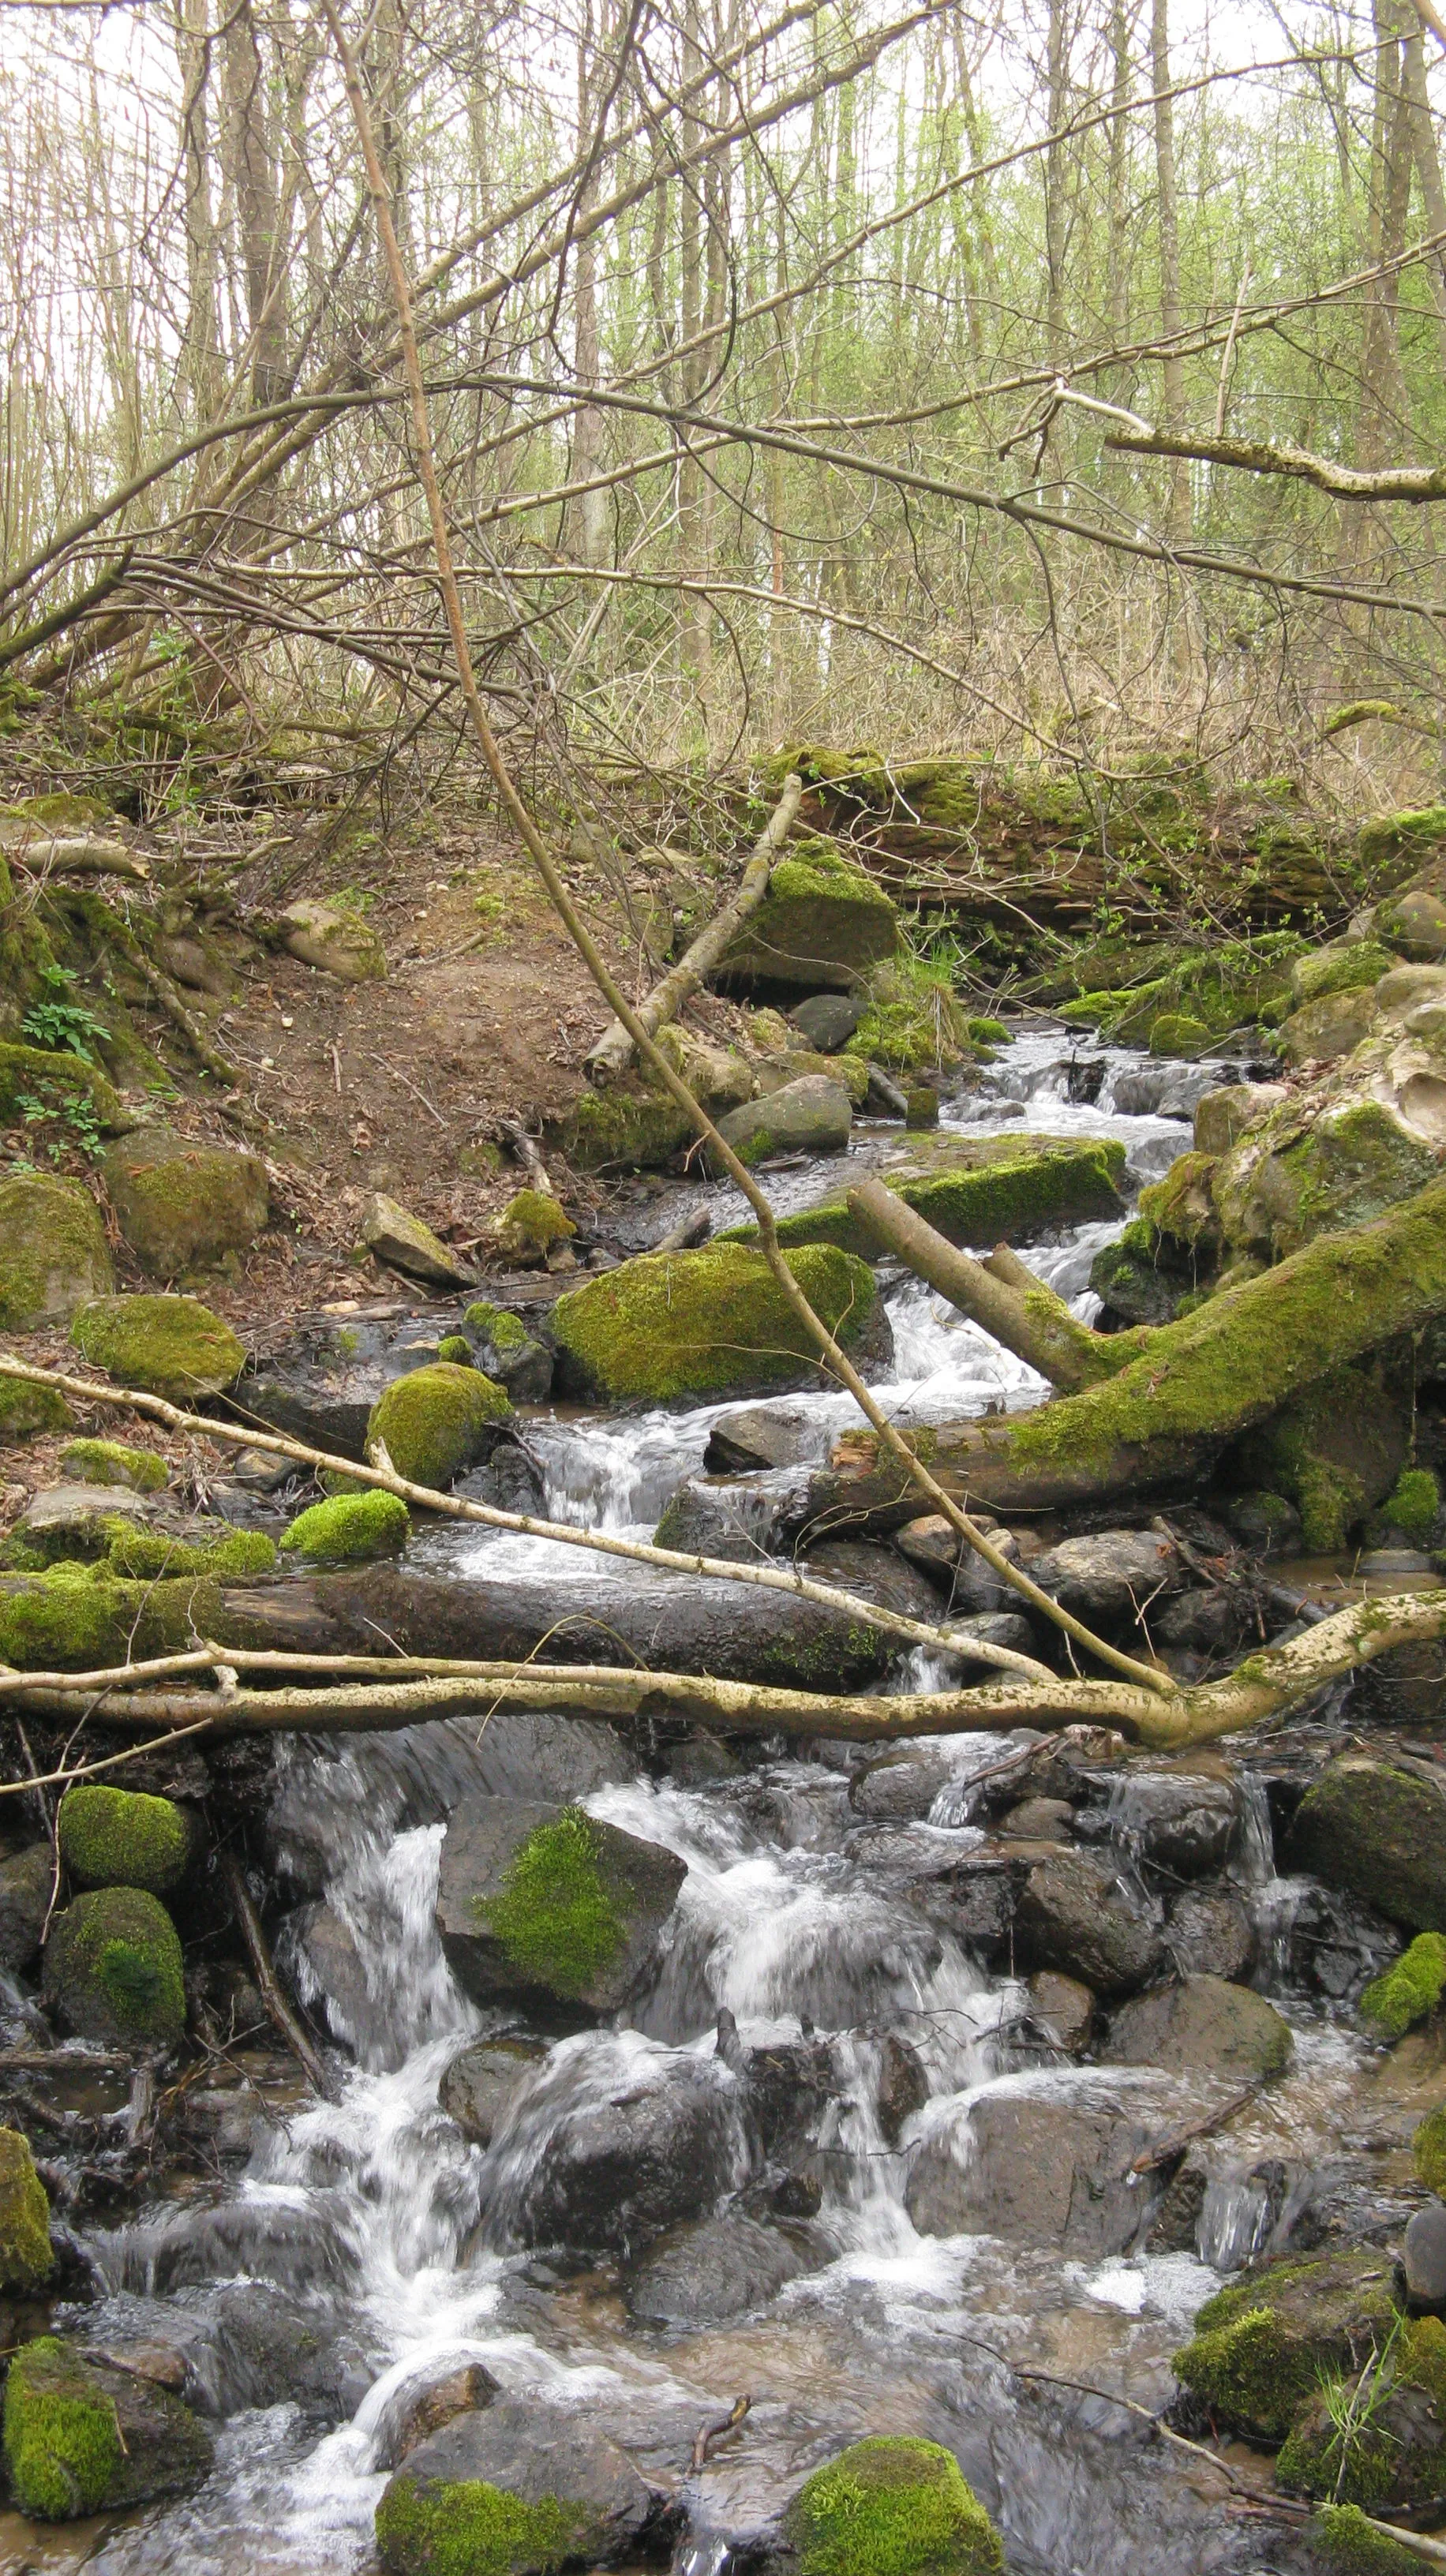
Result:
[114,1462]
[821,923]
[1377,2436]
[635,1125]
[1377,1827]
[83,2436]
[1005,1189]
[113,1969]
[26,1409]
[1261,2346]
[1331,1026]
[1292,1177]
[891,2507]
[437,1422]
[184,1205]
[714,1322]
[53,1254]
[1335,1451]
[509,2489]
[169,1346]
[548,1907]
[61,1087]
[124,1838]
[1344,966]
[26,2257]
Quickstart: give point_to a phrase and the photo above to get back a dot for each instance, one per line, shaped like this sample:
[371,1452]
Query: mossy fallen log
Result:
[1183,1390]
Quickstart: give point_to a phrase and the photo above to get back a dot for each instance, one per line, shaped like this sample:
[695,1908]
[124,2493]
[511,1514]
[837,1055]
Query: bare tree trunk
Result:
[201,359]
[587,451]
[1168,220]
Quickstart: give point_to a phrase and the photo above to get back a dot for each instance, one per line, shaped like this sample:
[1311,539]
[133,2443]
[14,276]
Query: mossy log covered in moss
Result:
[1006,1189]
[1183,1391]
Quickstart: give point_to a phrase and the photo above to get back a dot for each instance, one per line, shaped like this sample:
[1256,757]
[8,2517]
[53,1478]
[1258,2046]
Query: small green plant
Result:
[74,1109]
[61,1025]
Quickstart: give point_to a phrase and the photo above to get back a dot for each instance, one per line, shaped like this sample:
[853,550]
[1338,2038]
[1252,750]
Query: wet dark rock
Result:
[728,1517]
[611,2172]
[1065,1765]
[786,2088]
[26,1883]
[509,1477]
[321,1382]
[1175,2225]
[420,2408]
[1330,1943]
[1063,2010]
[717,2269]
[1073,1915]
[318,1953]
[902,1785]
[1181,1823]
[538,2453]
[273,2349]
[901,2085]
[1111,1577]
[1210,1933]
[1338,2205]
[828,1020]
[1378,1828]
[1267,1524]
[758,1435]
[675,1622]
[481,2083]
[934,1545]
[1423,2256]
[965,1885]
[1038,1820]
[586,1931]
[1214,1622]
[1046,2168]
[1163,1090]
[1201,2025]
[876,1575]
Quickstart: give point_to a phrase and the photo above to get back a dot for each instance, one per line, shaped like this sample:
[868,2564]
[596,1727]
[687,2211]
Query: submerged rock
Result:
[184,1205]
[83,2437]
[716,2269]
[481,2083]
[613,2145]
[1041,2166]
[53,1254]
[669,1325]
[1201,2025]
[548,1907]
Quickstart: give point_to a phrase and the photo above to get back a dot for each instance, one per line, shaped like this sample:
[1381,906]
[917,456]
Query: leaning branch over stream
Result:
[373,1694]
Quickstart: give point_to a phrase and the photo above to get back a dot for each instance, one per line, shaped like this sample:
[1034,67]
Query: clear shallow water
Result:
[377,2207]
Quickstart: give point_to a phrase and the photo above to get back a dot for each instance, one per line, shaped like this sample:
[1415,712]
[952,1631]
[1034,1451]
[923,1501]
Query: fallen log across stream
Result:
[374,1694]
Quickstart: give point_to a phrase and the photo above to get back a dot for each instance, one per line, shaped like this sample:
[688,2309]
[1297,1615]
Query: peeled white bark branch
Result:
[614,1050]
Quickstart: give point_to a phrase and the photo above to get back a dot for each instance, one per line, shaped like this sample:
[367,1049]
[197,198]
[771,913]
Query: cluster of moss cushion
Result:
[698,1323]
[556,1914]
[113,1965]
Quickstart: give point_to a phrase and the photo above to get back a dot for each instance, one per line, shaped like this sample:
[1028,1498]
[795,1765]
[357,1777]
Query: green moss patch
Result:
[887,2507]
[494,1325]
[114,1462]
[694,1323]
[1428,2151]
[1414,1505]
[148,1556]
[351,1528]
[60,1086]
[123,1838]
[530,1224]
[168,1346]
[1345,2545]
[467,2528]
[1410,1989]
[555,1914]
[26,1409]
[25,2251]
[113,1968]
[437,1422]
[62,2441]
[626,1127]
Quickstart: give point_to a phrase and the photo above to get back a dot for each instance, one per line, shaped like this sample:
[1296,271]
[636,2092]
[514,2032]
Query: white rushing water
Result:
[377,2205]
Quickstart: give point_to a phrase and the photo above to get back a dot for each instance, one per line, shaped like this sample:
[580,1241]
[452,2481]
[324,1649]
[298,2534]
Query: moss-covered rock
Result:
[1415,923]
[1331,1026]
[698,1323]
[25,2250]
[1428,2151]
[84,2437]
[351,1529]
[1333,1451]
[1344,2544]
[168,1346]
[1375,2438]
[1182,1207]
[184,1205]
[78,1618]
[1281,1188]
[123,1838]
[335,940]
[1345,966]
[114,1462]
[1391,847]
[59,1086]
[113,1969]
[628,1127]
[1378,1828]
[529,1226]
[1261,2345]
[394,1236]
[550,1907]
[810,1116]
[821,923]
[1411,1511]
[995,1190]
[152,1555]
[892,2507]
[26,1409]
[1178,1033]
[468,2527]
[1140,1277]
[509,1353]
[53,1254]
[1409,1990]
[437,1423]
[914,1019]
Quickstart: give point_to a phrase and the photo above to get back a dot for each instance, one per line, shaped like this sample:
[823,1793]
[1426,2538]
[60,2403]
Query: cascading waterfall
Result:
[376,2207]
